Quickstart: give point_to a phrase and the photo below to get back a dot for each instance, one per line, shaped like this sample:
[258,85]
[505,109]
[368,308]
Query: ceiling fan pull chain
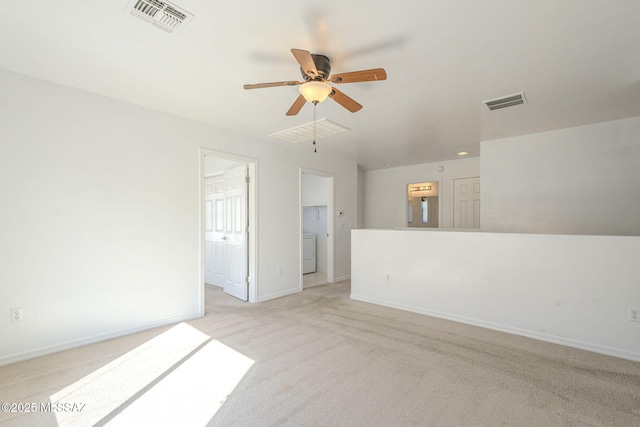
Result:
[315,105]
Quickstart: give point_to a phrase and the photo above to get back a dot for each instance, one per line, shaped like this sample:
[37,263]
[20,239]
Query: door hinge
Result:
[247,179]
[247,280]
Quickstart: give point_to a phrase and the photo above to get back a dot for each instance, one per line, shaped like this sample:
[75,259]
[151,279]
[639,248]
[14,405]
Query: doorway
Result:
[423,200]
[316,228]
[229,224]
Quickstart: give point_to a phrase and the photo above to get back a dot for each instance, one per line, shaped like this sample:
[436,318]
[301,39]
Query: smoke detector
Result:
[160,14]
[506,101]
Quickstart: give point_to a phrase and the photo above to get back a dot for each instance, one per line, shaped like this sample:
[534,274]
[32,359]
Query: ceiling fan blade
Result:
[297,106]
[305,60]
[373,75]
[272,84]
[344,100]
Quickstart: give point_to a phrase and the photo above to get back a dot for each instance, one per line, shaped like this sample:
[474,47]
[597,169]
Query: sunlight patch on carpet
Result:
[181,377]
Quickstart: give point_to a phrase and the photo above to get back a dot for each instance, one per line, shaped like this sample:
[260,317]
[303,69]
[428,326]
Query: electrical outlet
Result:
[634,314]
[16,314]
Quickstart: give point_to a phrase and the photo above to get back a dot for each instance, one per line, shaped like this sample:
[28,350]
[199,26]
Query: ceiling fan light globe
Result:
[315,91]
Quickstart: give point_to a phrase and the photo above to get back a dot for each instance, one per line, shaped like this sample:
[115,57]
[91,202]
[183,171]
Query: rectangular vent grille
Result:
[160,14]
[304,133]
[506,101]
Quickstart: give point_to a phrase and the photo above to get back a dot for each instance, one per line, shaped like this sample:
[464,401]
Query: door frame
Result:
[331,230]
[252,220]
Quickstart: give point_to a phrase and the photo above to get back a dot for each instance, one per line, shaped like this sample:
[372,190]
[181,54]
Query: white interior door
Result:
[466,199]
[235,232]
[214,230]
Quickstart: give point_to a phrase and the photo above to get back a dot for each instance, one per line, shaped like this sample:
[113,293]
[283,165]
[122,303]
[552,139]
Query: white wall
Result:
[215,165]
[100,218]
[315,190]
[385,190]
[571,290]
[360,198]
[583,180]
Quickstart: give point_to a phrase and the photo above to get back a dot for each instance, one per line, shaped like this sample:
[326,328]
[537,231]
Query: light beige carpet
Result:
[319,359]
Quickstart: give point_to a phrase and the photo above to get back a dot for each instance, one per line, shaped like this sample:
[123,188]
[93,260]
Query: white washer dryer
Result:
[308,253]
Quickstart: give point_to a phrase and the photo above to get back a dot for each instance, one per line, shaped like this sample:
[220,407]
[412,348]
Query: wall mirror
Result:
[422,204]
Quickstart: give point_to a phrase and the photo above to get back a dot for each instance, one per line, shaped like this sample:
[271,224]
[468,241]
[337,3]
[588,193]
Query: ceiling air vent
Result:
[506,101]
[304,133]
[160,14]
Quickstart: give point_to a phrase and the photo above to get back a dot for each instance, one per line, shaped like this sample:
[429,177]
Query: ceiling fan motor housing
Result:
[323,65]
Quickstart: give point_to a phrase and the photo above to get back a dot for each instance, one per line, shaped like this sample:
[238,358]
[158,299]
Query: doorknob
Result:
[225,238]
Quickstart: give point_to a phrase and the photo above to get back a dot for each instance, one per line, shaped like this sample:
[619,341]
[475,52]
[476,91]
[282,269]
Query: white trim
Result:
[92,339]
[253,220]
[595,348]
[278,294]
[341,278]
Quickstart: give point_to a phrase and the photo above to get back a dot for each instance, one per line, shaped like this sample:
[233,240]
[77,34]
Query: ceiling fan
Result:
[316,71]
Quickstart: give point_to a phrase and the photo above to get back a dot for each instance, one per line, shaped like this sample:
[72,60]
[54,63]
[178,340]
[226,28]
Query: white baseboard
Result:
[341,278]
[595,348]
[68,345]
[279,294]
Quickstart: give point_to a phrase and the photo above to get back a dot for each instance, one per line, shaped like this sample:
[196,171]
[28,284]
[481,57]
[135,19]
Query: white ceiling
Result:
[578,62]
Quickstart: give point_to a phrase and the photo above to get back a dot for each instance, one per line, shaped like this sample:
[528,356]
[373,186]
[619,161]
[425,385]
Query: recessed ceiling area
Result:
[578,61]
[309,131]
